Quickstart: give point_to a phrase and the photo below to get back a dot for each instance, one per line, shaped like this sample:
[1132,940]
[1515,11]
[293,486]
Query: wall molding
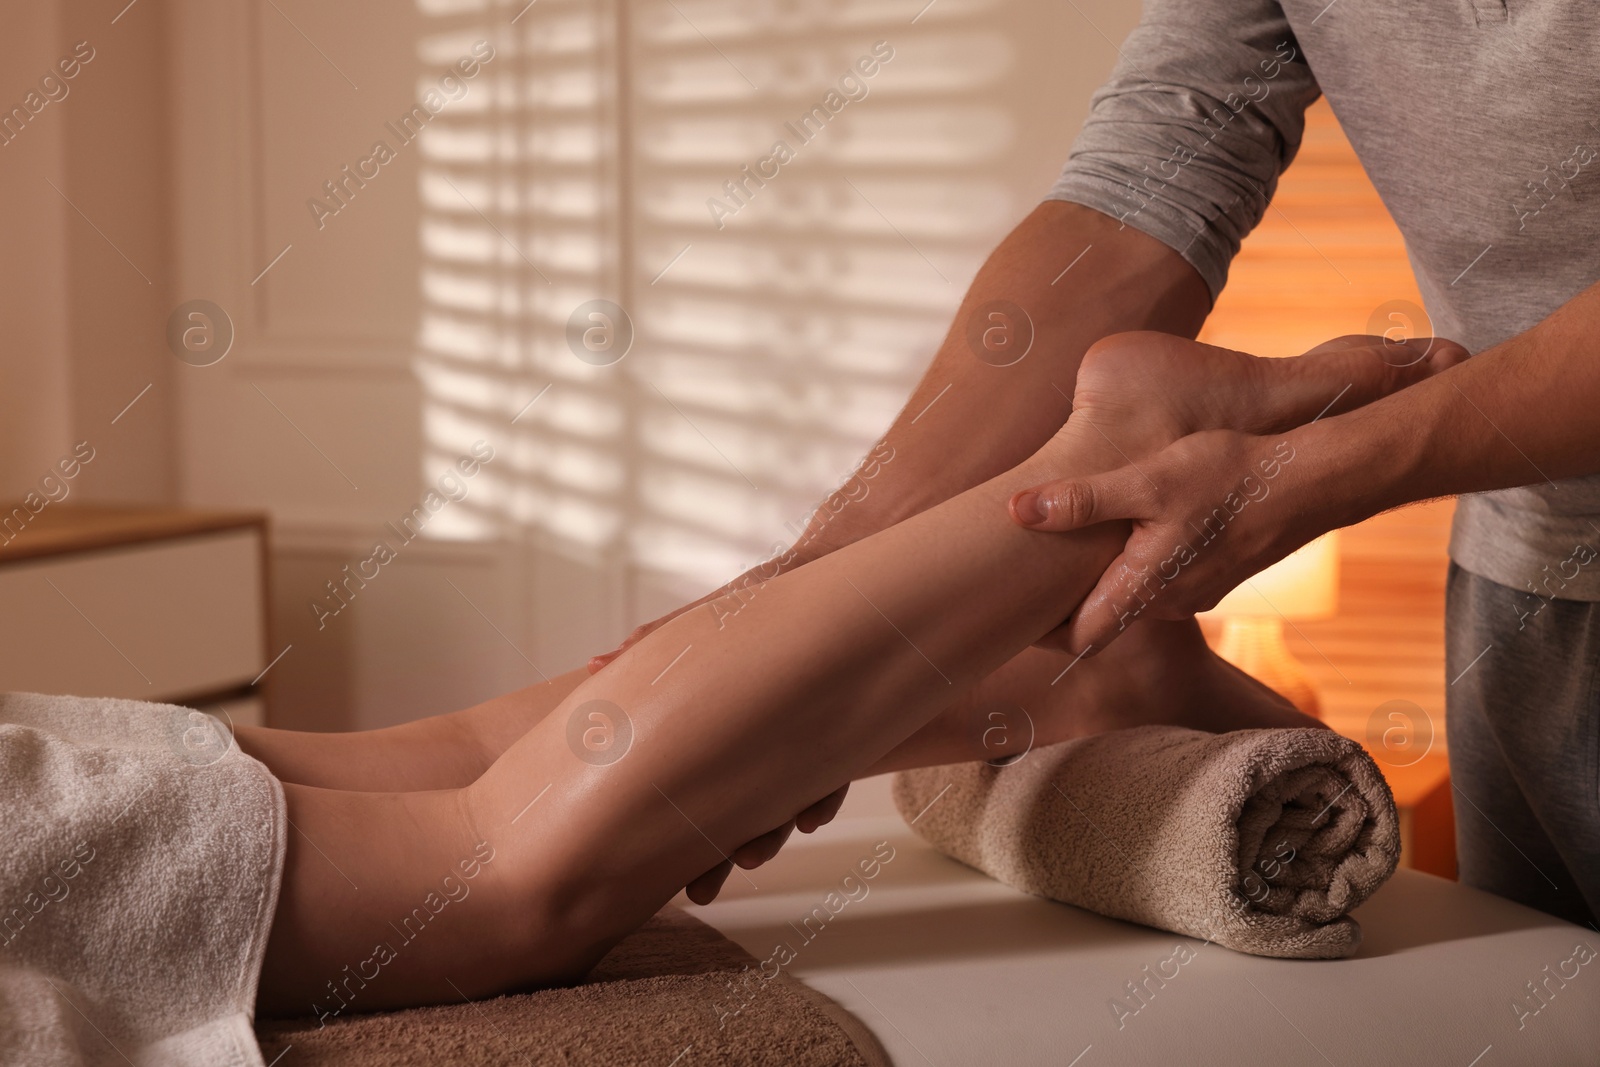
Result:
[343,539]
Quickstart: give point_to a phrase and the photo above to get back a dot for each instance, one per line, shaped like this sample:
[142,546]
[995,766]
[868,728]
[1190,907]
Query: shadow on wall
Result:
[779,204]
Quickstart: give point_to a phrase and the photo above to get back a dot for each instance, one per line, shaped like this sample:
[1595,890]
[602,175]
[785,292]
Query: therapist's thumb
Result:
[1073,503]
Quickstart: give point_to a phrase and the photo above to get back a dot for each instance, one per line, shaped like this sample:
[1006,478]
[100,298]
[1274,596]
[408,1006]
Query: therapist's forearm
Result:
[1078,276]
[1522,412]
[969,420]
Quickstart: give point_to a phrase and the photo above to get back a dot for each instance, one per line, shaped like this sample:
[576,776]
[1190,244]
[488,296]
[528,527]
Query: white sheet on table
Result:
[950,968]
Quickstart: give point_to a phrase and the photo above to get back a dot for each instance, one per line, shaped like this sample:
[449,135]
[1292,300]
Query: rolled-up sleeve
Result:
[1201,114]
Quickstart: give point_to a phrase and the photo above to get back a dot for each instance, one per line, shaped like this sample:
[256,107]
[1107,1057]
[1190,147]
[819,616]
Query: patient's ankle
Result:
[1165,672]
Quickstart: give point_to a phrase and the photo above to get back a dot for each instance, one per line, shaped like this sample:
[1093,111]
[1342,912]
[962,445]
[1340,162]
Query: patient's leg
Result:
[816,681]
[1132,396]
[1036,699]
[824,672]
[1133,393]
[819,678]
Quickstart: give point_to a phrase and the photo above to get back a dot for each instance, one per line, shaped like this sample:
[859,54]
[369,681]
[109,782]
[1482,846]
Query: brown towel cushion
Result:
[1259,840]
[673,985]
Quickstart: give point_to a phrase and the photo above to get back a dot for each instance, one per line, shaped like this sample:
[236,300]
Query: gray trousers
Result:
[1523,715]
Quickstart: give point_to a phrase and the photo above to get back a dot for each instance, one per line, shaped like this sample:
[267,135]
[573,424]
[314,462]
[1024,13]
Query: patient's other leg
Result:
[1160,672]
[439,752]
[1042,697]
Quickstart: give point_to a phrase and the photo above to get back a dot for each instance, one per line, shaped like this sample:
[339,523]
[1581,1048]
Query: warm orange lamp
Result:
[1301,587]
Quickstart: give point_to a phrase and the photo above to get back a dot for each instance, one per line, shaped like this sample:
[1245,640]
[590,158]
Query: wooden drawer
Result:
[160,620]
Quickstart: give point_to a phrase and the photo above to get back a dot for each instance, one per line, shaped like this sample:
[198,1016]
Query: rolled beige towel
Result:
[1260,840]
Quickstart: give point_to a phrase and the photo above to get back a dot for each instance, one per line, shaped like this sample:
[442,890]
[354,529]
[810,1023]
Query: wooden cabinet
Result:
[1427,813]
[147,603]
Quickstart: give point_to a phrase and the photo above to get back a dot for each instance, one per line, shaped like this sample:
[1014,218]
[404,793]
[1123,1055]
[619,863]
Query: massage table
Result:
[948,967]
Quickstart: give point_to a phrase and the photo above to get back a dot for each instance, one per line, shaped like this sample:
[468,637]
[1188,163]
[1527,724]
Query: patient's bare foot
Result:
[1138,392]
[1167,674]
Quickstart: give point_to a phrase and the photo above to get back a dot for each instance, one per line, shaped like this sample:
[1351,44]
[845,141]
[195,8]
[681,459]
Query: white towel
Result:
[139,875]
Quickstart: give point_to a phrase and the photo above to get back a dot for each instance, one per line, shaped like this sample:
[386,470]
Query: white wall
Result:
[432,308]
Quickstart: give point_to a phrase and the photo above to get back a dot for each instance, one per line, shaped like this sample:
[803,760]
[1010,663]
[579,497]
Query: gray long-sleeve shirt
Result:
[1479,124]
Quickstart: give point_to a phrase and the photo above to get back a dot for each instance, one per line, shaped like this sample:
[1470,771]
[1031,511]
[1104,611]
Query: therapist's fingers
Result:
[1208,512]
[754,853]
[597,663]
[1096,623]
[1073,503]
[704,889]
[822,812]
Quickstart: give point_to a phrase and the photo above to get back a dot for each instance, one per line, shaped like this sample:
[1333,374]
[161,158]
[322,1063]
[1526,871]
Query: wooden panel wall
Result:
[1326,258]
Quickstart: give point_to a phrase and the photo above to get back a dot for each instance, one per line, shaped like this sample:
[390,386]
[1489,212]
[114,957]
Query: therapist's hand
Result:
[752,854]
[1212,508]
[1207,512]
